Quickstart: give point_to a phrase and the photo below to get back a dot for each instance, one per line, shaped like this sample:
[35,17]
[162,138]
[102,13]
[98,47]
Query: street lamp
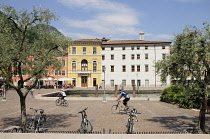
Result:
[104,97]
[137,83]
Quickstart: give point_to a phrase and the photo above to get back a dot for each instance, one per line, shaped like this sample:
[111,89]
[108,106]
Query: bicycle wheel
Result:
[20,130]
[40,124]
[130,128]
[36,128]
[89,127]
[65,103]
[82,127]
[115,109]
[14,130]
[128,109]
[193,131]
[57,102]
[31,124]
[85,127]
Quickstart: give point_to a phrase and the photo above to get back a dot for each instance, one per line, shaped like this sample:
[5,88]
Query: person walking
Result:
[2,90]
[31,92]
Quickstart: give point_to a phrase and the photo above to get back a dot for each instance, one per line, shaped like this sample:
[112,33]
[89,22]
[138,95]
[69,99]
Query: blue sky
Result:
[122,19]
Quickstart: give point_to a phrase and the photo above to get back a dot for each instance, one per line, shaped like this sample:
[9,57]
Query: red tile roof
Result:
[88,40]
[133,42]
[113,42]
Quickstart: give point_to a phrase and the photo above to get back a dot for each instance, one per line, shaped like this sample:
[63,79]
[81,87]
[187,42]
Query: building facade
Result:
[52,77]
[84,62]
[108,63]
[131,62]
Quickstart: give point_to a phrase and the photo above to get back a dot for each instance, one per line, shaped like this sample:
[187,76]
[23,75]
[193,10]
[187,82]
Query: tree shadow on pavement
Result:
[10,122]
[58,120]
[53,120]
[177,123]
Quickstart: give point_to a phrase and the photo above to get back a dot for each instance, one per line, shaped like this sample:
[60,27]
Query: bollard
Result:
[116,91]
[134,91]
[103,130]
[110,131]
[96,90]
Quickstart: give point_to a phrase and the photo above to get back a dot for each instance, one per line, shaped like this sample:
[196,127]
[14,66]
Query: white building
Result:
[131,62]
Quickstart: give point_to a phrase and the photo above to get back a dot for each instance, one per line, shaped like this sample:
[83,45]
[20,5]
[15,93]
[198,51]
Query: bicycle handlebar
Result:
[133,113]
[83,110]
[41,110]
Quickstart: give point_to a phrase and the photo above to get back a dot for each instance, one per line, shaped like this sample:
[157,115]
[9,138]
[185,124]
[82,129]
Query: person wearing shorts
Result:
[62,94]
[125,95]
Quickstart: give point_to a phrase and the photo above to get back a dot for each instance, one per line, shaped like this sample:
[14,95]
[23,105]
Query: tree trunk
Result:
[23,112]
[202,114]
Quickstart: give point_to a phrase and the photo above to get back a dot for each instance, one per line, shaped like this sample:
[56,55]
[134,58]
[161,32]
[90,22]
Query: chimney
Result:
[141,36]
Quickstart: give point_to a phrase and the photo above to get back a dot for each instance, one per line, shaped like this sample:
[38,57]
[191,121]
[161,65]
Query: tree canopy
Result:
[28,46]
[189,62]
[27,39]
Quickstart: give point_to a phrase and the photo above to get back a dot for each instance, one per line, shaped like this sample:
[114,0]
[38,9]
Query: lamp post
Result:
[137,83]
[104,97]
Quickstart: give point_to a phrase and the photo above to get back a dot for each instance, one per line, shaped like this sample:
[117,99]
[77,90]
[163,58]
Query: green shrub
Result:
[185,98]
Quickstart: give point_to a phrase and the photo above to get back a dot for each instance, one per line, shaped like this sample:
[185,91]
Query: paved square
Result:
[155,115]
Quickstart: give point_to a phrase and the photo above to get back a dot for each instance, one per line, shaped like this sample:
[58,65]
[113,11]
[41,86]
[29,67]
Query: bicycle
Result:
[58,102]
[194,130]
[37,123]
[17,130]
[130,123]
[117,108]
[85,125]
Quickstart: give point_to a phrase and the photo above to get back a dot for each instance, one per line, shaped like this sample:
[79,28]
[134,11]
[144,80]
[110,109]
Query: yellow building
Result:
[84,62]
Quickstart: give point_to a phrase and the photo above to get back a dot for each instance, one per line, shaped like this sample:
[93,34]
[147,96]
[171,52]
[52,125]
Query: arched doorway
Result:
[84,68]
[84,65]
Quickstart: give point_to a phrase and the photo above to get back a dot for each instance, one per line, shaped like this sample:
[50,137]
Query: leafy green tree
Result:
[189,63]
[28,47]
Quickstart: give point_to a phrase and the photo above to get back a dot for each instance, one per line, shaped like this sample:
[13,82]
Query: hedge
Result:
[185,98]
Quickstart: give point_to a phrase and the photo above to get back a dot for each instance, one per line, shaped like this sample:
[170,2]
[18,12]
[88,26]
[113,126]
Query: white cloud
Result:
[76,35]
[158,37]
[187,0]
[121,19]
[164,37]
[102,5]
[98,26]
[108,18]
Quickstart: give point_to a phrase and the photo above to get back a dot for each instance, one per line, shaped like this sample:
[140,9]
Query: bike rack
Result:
[99,132]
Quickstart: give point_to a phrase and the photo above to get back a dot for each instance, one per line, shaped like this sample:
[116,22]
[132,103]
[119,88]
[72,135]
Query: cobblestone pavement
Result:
[155,115]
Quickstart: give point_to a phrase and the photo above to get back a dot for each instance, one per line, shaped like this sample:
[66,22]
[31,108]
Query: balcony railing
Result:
[85,71]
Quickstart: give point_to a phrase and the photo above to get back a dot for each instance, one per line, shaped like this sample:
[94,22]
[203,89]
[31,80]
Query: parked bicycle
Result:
[58,102]
[17,130]
[118,108]
[36,122]
[194,130]
[130,124]
[85,125]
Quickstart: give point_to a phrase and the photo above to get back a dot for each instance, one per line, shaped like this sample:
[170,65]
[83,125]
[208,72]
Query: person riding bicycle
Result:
[125,95]
[63,95]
